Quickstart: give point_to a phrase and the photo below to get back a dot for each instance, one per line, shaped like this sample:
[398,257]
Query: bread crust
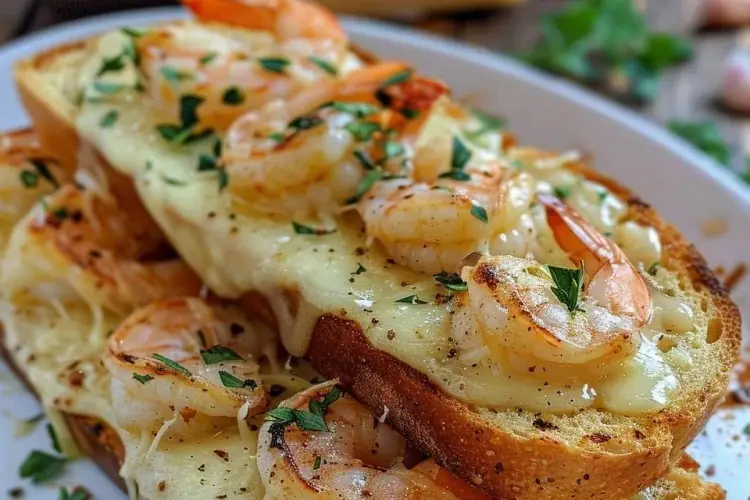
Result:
[495,460]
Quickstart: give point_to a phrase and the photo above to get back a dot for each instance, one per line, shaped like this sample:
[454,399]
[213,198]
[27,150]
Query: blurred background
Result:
[685,63]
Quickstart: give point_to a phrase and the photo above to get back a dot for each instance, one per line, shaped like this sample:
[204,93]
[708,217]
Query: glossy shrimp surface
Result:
[187,358]
[518,311]
[292,45]
[79,244]
[357,457]
[25,176]
[309,155]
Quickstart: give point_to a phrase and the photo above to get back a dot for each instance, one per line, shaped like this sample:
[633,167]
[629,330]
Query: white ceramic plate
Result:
[687,187]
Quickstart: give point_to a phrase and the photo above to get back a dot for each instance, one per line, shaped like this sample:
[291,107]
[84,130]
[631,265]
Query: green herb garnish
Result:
[567,286]
[360,269]
[40,165]
[143,379]
[562,192]
[29,179]
[392,149]
[369,180]
[208,58]
[324,65]
[479,212]
[460,155]
[316,463]
[305,123]
[364,160]
[109,88]
[362,131]
[175,75]
[219,354]
[233,382]
[172,365]
[312,420]
[53,438]
[451,281]
[605,41]
[73,495]
[110,65]
[487,123]
[233,97]
[358,109]
[41,467]
[302,229]
[411,299]
[109,118]
[274,64]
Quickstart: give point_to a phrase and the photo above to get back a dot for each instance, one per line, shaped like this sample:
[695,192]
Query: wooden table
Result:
[687,92]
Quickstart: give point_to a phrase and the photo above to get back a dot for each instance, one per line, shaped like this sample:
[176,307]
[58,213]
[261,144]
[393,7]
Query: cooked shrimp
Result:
[294,45]
[309,155]
[286,19]
[185,357]
[25,176]
[564,316]
[82,243]
[357,457]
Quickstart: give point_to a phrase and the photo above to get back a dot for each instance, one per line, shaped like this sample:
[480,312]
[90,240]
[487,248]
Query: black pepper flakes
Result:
[222,455]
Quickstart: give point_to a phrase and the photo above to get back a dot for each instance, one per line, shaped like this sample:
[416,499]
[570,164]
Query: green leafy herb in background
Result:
[607,43]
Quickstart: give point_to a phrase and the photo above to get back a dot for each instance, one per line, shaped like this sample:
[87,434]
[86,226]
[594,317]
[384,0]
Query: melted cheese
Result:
[305,276]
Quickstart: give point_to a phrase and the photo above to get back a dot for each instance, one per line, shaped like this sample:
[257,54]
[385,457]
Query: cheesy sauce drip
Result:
[306,269]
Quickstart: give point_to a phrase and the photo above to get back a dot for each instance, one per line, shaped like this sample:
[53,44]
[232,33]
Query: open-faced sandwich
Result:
[250,187]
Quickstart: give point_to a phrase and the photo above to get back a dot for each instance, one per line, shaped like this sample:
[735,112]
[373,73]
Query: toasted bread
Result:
[514,453]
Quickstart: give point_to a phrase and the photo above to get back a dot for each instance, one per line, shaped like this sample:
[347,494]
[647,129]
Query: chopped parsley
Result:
[41,467]
[369,180]
[233,382]
[456,175]
[312,420]
[316,464]
[567,286]
[358,109]
[305,122]
[392,149]
[362,131]
[360,269]
[324,65]
[29,179]
[109,88]
[460,155]
[233,96]
[143,379]
[109,118]
[43,171]
[277,136]
[411,299]
[364,159]
[302,229]
[207,163]
[274,64]
[208,58]
[451,281]
[562,192]
[400,77]
[219,354]
[132,33]
[223,179]
[111,65]
[172,182]
[654,268]
[410,114]
[53,438]
[172,365]
[184,132]
[175,75]
[479,212]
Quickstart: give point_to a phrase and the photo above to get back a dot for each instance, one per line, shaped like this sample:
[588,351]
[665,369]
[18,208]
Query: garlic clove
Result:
[735,89]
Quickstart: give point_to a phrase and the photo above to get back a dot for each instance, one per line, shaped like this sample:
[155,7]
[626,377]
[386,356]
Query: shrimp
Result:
[522,308]
[25,176]
[186,357]
[293,45]
[356,457]
[310,155]
[89,245]
[286,19]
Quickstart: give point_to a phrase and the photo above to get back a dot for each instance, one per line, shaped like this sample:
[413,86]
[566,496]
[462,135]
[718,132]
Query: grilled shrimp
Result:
[77,241]
[185,357]
[307,156]
[293,45]
[25,176]
[564,316]
[353,456]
